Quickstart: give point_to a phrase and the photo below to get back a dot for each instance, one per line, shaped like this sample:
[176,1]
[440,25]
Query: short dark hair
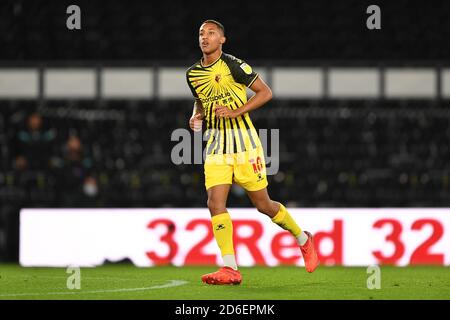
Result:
[217,23]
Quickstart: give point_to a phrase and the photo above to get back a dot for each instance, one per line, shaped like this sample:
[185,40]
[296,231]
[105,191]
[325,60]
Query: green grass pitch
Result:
[124,281]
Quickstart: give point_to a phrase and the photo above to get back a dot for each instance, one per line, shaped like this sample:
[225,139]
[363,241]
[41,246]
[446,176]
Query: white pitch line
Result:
[171,283]
[83,277]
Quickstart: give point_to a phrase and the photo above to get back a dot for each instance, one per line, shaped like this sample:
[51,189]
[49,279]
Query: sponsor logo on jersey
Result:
[215,98]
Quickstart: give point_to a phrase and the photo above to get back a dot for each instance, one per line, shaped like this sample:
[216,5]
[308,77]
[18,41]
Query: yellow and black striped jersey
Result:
[223,82]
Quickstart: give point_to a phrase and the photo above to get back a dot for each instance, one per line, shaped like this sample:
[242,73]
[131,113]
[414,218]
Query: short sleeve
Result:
[242,72]
[194,93]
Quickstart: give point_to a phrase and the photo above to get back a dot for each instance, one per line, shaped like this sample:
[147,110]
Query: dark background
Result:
[281,30]
[334,153]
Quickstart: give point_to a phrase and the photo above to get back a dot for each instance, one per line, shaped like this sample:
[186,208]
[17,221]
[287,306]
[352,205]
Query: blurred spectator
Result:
[34,144]
[74,149]
[90,196]
[74,169]
[90,187]
[20,163]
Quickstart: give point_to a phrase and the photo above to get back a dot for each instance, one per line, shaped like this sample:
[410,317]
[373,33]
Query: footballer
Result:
[234,152]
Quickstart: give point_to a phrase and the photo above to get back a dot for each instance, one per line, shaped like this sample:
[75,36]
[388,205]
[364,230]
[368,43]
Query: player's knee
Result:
[216,207]
[267,208]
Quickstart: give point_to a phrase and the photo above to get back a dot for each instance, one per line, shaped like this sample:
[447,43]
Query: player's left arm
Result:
[262,95]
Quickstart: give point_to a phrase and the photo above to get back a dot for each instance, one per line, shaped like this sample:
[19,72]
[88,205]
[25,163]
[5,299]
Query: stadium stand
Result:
[332,153]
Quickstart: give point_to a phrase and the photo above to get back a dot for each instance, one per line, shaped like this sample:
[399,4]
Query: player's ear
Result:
[223,40]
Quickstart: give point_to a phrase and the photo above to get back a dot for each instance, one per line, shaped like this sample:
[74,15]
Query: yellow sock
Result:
[223,232]
[285,220]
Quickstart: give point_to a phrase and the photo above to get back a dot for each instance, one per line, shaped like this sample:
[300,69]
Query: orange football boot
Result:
[224,275]
[309,254]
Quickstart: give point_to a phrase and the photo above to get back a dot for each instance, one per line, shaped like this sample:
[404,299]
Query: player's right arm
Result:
[196,119]
[195,122]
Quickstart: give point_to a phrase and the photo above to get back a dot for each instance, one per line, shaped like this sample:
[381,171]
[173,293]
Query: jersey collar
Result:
[212,63]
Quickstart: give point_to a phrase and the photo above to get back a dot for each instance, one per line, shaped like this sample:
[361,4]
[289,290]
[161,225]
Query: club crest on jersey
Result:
[247,69]
[218,77]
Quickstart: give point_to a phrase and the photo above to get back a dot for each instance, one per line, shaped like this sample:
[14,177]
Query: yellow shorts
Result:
[248,169]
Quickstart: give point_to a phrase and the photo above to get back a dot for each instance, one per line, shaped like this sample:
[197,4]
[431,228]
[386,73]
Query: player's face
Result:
[210,38]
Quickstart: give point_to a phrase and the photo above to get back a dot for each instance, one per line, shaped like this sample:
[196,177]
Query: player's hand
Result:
[225,112]
[196,122]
